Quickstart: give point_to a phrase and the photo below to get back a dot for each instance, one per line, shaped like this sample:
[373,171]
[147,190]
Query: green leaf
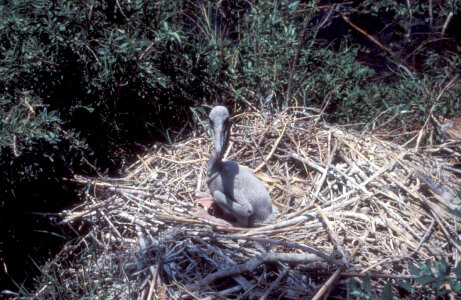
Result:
[457,271]
[443,267]
[293,6]
[456,286]
[406,285]
[422,108]
[413,269]
[88,108]
[387,292]
[176,35]
[426,279]
[455,212]
[367,284]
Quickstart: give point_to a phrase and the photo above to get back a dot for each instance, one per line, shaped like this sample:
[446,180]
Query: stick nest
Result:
[349,204]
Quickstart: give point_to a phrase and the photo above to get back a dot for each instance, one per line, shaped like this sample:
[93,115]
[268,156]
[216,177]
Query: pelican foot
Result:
[204,199]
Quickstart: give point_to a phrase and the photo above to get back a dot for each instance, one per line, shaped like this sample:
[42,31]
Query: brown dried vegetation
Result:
[350,204]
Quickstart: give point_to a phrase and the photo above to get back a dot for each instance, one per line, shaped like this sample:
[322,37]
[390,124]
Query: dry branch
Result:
[339,193]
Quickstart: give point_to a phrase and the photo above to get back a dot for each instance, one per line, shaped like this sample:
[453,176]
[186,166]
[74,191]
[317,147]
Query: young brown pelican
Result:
[235,189]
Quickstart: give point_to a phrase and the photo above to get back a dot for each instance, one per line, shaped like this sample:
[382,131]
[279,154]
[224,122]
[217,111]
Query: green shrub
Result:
[129,71]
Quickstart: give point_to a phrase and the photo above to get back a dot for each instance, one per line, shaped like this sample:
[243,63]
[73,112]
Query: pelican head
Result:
[220,127]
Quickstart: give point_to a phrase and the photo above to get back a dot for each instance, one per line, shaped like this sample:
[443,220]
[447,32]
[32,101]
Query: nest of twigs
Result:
[349,204]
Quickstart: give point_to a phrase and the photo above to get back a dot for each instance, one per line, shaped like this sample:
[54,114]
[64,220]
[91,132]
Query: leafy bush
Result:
[434,278]
[130,70]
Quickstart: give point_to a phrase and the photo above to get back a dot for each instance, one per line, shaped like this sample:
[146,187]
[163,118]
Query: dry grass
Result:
[350,205]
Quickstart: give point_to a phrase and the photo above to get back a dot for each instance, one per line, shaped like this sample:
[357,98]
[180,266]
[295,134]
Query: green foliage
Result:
[129,71]
[32,141]
[365,290]
[433,278]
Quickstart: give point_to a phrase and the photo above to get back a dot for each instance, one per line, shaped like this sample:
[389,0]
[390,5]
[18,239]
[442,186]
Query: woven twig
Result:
[349,203]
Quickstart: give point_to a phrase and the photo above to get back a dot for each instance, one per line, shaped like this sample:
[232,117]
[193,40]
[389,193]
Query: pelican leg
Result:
[241,209]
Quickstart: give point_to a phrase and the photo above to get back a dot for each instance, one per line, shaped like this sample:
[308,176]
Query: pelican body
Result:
[235,189]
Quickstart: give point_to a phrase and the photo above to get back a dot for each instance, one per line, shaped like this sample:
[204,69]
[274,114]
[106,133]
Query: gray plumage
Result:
[235,189]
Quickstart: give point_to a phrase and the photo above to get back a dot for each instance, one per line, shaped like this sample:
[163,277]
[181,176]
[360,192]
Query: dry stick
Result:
[324,6]
[326,288]
[300,219]
[14,147]
[424,44]
[351,180]
[313,165]
[269,168]
[327,100]
[431,18]
[144,163]
[450,84]
[391,119]
[378,43]
[31,109]
[399,219]
[185,290]
[409,141]
[325,19]
[174,218]
[378,263]
[452,169]
[278,225]
[99,183]
[199,181]
[132,219]
[375,119]
[434,211]
[252,264]
[155,275]
[420,135]
[285,244]
[426,235]
[183,162]
[289,229]
[324,174]
[238,278]
[146,51]
[447,21]
[298,212]
[44,60]
[384,169]
[77,215]
[90,14]
[272,150]
[321,182]
[408,33]
[327,284]
[363,274]
[121,10]
[298,52]
[274,284]
[331,234]
[111,224]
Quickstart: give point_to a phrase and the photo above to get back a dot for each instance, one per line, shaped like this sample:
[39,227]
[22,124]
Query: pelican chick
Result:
[236,190]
